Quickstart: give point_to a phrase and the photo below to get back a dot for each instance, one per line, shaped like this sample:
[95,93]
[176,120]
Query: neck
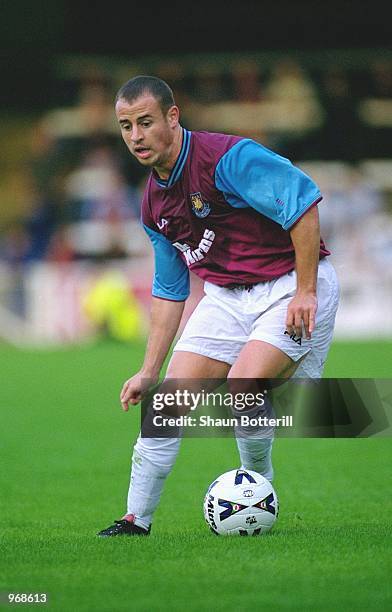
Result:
[164,170]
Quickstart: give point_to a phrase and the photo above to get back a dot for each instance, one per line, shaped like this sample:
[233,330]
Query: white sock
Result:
[255,454]
[255,443]
[152,461]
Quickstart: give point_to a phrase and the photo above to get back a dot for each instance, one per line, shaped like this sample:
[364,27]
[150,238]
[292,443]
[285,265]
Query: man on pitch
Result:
[245,220]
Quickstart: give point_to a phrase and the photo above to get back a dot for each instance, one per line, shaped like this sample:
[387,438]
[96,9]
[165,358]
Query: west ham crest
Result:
[199,207]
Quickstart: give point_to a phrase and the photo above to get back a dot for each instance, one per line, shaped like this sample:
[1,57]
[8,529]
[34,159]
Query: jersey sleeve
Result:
[249,174]
[171,276]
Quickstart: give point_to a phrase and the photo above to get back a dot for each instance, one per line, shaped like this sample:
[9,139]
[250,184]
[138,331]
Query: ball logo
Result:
[248,493]
[210,511]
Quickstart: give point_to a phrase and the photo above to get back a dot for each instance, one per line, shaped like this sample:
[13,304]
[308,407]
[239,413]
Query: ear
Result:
[173,116]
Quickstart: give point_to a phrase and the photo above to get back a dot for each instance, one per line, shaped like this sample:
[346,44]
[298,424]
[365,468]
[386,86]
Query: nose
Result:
[136,134]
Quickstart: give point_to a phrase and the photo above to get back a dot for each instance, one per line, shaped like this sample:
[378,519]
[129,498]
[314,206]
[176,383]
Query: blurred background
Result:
[309,80]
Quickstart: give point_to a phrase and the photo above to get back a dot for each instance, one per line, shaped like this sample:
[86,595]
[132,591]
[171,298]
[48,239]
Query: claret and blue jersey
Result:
[225,213]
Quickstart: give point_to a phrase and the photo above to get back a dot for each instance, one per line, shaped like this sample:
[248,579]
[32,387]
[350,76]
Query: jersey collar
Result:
[180,162]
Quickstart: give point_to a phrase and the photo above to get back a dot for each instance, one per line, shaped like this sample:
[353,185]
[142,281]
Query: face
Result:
[147,132]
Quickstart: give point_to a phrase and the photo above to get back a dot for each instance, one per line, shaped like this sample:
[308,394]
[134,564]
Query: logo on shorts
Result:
[297,340]
[199,207]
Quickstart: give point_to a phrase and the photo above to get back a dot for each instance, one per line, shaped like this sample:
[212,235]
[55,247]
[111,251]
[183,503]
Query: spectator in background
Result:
[294,98]
[101,204]
[98,190]
[289,81]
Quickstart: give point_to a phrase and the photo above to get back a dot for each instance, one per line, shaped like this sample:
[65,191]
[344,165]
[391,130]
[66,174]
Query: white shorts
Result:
[226,319]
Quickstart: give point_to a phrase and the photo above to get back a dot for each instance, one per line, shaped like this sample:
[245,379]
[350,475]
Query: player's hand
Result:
[301,315]
[133,390]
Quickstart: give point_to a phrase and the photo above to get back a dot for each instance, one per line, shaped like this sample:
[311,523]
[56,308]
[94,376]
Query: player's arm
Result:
[165,319]
[164,322]
[170,290]
[305,236]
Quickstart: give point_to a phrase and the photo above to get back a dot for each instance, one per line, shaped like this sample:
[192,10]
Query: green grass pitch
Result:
[65,450]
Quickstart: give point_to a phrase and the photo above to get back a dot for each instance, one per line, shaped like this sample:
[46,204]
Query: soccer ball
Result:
[240,502]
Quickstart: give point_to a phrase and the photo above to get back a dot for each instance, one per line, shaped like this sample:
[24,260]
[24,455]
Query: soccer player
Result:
[245,220]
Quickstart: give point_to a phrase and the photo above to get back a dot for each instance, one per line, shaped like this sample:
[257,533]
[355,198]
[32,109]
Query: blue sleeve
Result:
[171,277]
[252,175]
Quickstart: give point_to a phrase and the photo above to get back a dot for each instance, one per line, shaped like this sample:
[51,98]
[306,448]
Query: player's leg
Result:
[154,457]
[272,353]
[205,350]
[209,344]
[258,360]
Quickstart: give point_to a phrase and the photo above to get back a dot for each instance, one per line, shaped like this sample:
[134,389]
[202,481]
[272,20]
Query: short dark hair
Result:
[142,84]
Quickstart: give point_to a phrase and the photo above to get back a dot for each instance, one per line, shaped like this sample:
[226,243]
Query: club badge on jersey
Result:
[199,206]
